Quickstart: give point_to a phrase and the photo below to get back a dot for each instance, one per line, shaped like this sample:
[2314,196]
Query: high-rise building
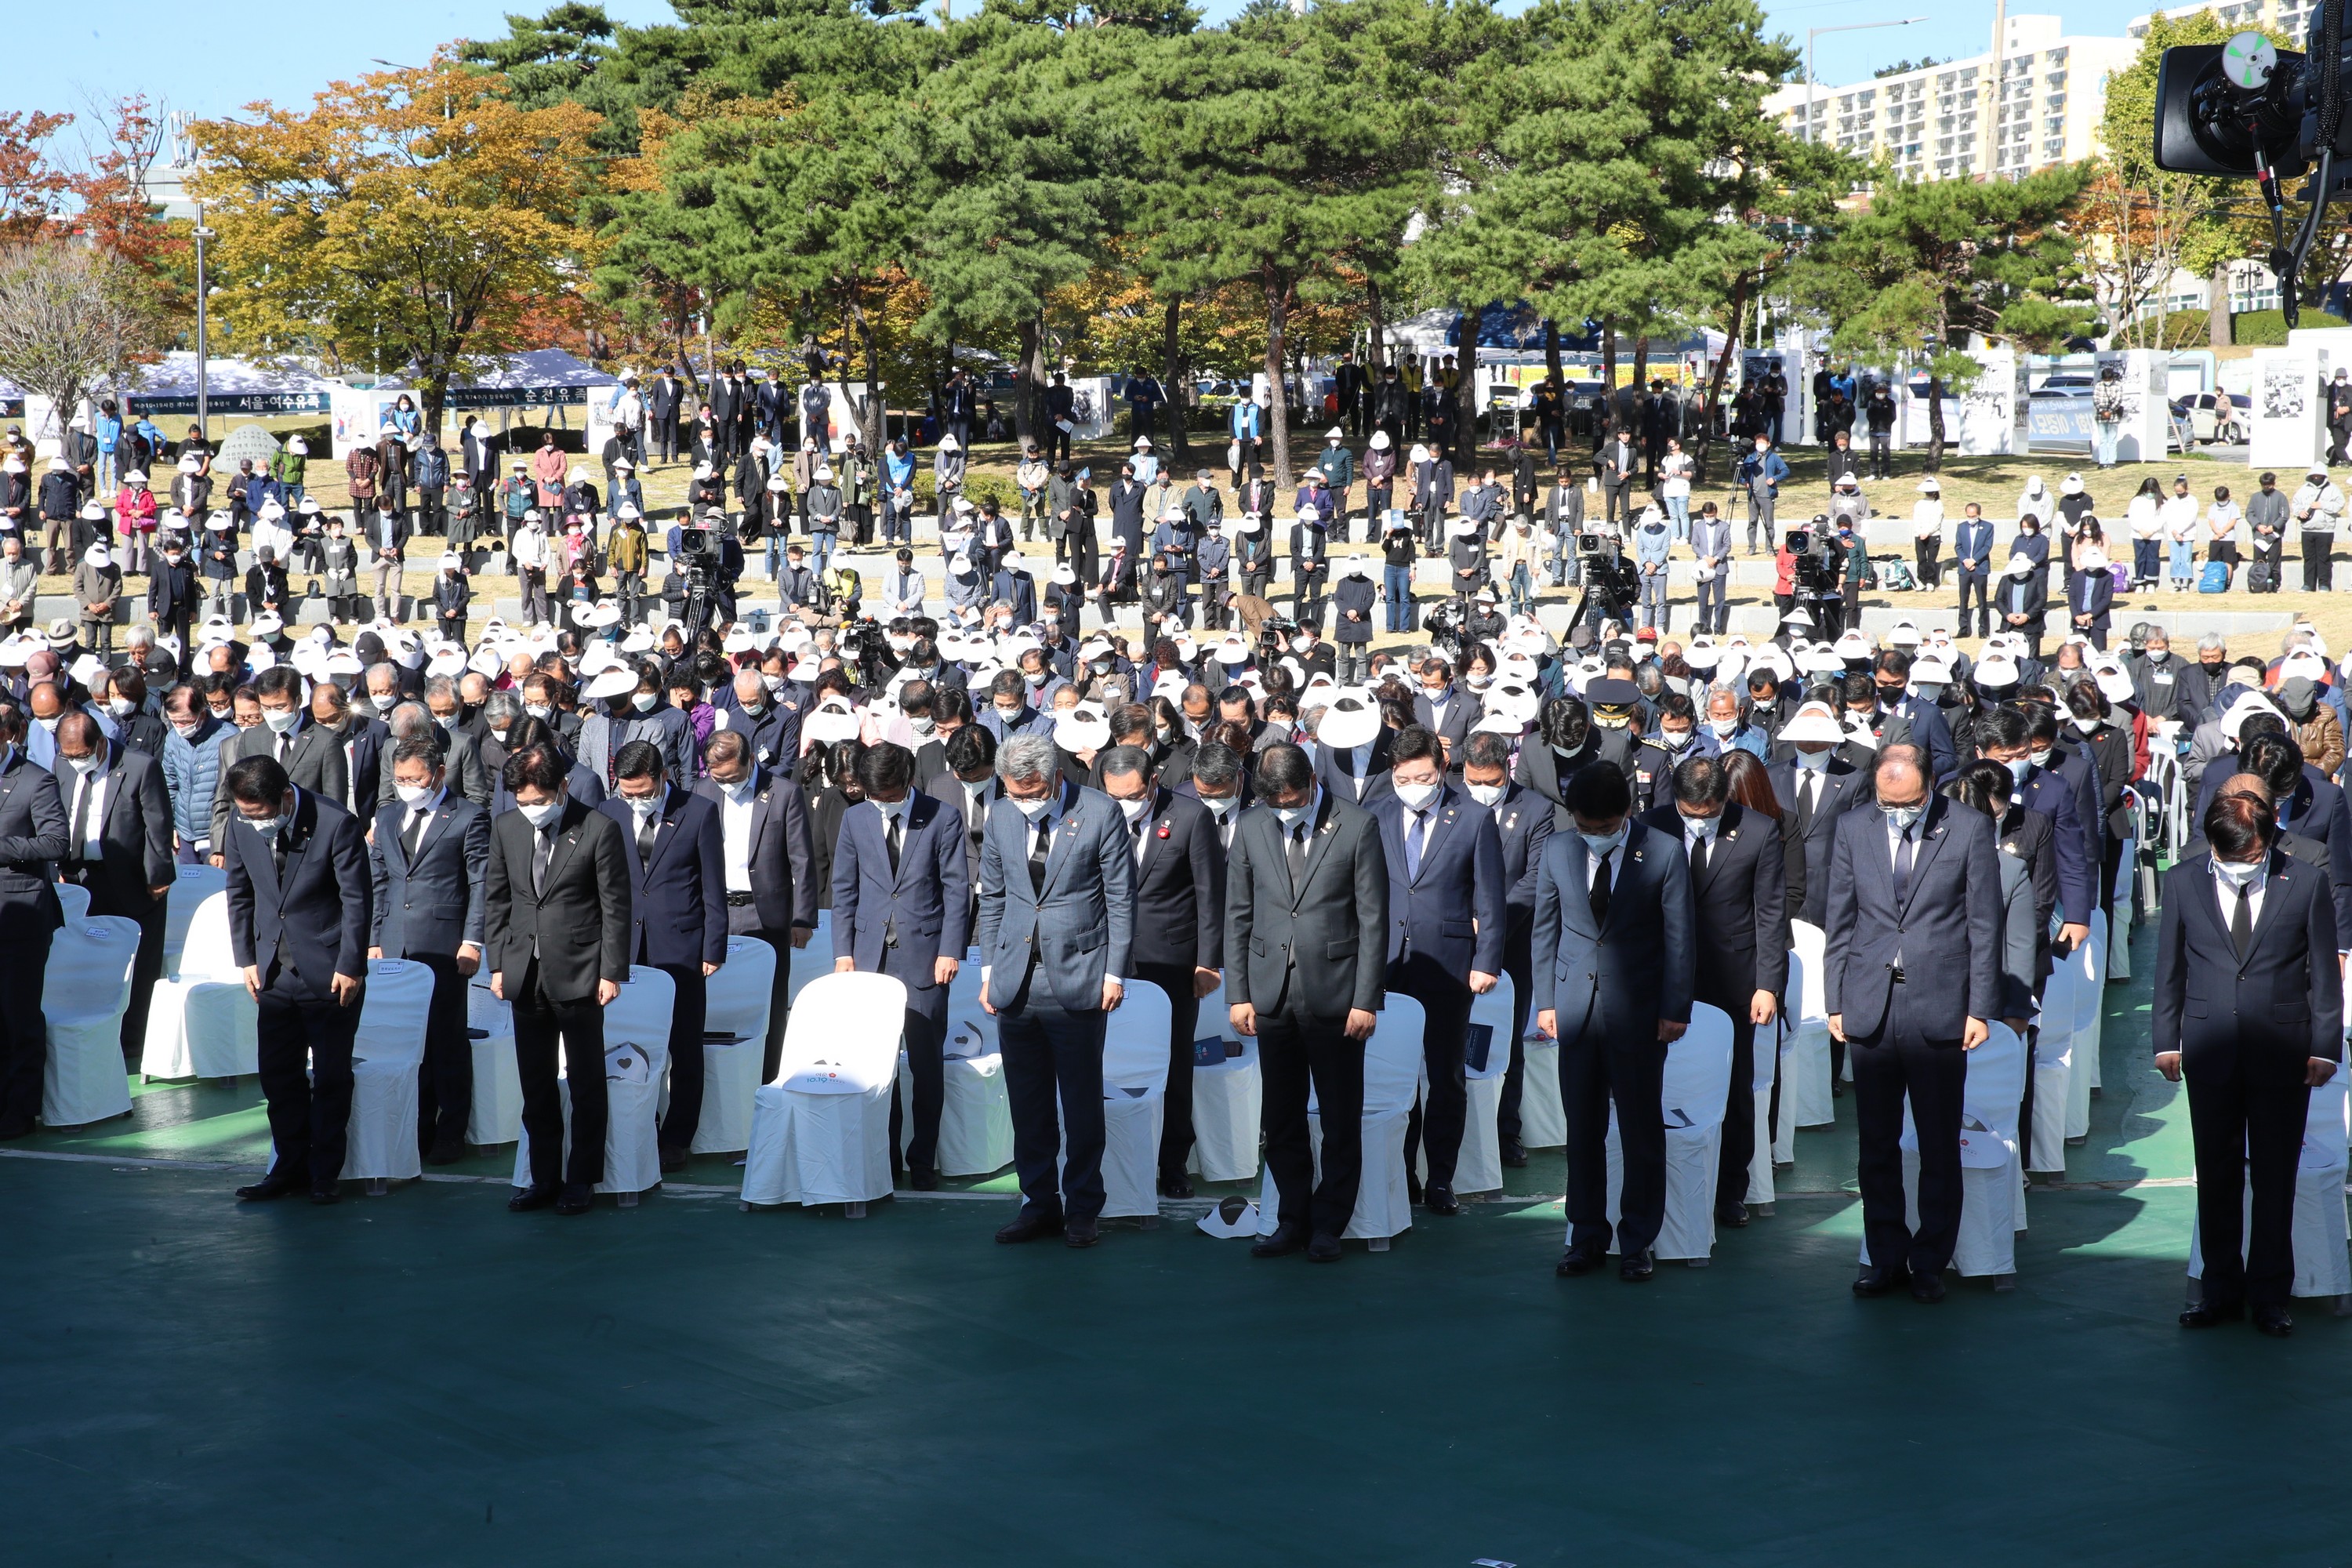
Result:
[1948,122]
[2292,17]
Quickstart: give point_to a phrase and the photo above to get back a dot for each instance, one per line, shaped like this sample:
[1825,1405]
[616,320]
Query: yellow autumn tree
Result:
[413,221]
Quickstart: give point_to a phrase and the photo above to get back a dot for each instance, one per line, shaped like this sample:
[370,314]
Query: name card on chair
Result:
[1476,1043]
[1212,1049]
[823,1076]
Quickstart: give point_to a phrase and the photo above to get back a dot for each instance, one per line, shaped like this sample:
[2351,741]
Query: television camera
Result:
[1612,583]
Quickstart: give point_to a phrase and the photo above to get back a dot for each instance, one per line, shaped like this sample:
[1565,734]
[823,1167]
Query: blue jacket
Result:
[1618,982]
[1972,541]
[1771,467]
[192,773]
[435,904]
[1082,926]
[1452,911]
[1945,929]
[925,905]
[678,910]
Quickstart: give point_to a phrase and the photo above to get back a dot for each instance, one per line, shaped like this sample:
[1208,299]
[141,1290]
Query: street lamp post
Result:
[1813,33]
[204,429]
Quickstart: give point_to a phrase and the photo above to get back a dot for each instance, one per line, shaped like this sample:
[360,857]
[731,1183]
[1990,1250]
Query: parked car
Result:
[1584,398]
[2223,417]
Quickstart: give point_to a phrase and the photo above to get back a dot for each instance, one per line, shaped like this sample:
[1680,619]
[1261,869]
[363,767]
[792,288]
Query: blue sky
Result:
[222,54]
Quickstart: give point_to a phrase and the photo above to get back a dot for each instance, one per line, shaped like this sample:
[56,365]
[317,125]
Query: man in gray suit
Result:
[1057,920]
[1306,886]
[1912,975]
[1614,967]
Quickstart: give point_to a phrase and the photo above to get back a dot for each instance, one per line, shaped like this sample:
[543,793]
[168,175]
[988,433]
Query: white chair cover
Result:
[497,1114]
[1135,1101]
[202,1024]
[1805,1098]
[74,901]
[636,1059]
[2119,913]
[190,889]
[737,1003]
[2089,963]
[386,1055]
[1696,1085]
[1993,1166]
[1392,1059]
[1543,1121]
[1480,1167]
[1228,1099]
[834,1085]
[2053,1067]
[975,1114]
[2322,1266]
[84,989]
[1765,1052]
[819,962]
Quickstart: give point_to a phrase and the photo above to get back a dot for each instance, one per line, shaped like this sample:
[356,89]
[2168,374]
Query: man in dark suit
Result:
[1972,567]
[1351,752]
[663,401]
[1913,963]
[118,846]
[968,782]
[1445,931]
[1902,717]
[1740,909]
[1179,927]
[556,912]
[427,858]
[2021,602]
[1815,788]
[1523,820]
[300,904]
[2249,1009]
[1056,936]
[1443,708]
[33,835]
[313,757]
[772,891]
[1614,974]
[1306,883]
[2305,804]
[902,907]
[677,887]
[2004,735]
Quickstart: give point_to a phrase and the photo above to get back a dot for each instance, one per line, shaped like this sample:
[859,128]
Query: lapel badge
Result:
[1164,828]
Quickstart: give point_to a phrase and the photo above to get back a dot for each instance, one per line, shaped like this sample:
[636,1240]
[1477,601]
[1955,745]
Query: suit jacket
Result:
[1739,907]
[316,766]
[1300,946]
[1461,712]
[1081,926]
[1523,821]
[314,919]
[432,904]
[2028,597]
[1621,980]
[902,924]
[1972,541]
[1805,844]
[2317,810]
[1180,885]
[2265,1013]
[782,860]
[33,830]
[1945,932]
[678,894]
[577,925]
[134,833]
[1335,770]
[1453,910]
[365,741]
[2091,593]
[2053,795]
[461,754]
[2029,838]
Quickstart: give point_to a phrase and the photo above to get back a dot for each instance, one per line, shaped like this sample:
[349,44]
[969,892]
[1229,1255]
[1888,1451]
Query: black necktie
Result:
[1601,891]
[648,825]
[1038,845]
[542,851]
[81,815]
[1809,793]
[1903,854]
[416,833]
[285,745]
[1294,851]
[896,838]
[2241,922]
[1699,848]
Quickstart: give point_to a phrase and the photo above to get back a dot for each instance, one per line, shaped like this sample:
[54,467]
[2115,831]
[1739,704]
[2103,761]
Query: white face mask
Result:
[1480,680]
[2089,726]
[1485,795]
[1724,728]
[1904,816]
[2239,873]
[542,814]
[644,806]
[774,683]
[121,706]
[1416,796]
[644,702]
[889,808]
[1702,825]
[268,826]
[1135,810]
[81,764]
[1034,809]
[385,700]
[1812,761]
[1291,816]
[1600,844]
[279,719]
[2039,759]
[1036,678]
[49,724]
[926,728]
[1220,805]
[1676,740]
[448,721]
[1300,645]
[412,795]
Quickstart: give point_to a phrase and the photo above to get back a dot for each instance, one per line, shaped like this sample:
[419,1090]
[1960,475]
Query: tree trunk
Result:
[1277,312]
[1722,370]
[869,416]
[1465,396]
[2217,308]
[1935,425]
[1377,355]
[1606,414]
[1641,359]
[1171,357]
[1551,352]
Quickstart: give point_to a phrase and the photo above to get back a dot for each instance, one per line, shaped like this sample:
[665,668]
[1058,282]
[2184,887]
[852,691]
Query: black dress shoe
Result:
[1577,1260]
[445,1151]
[2273,1321]
[273,1185]
[1514,1155]
[1286,1240]
[1029,1227]
[577,1198]
[2212,1314]
[1081,1233]
[1928,1288]
[1412,1190]
[1635,1268]
[925,1179]
[673,1157]
[528,1198]
[1179,1185]
[322,1196]
[12,1130]
[1733,1216]
[1875,1281]
[1441,1199]
[1324,1248]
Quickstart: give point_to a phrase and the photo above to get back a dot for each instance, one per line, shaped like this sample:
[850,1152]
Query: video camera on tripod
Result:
[1816,560]
[702,552]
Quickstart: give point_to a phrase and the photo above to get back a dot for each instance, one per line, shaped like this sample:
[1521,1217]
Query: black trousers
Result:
[1183,1021]
[305,1055]
[1051,1052]
[926,1046]
[1294,1049]
[1518,963]
[541,1023]
[1594,1071]
[23,1032]
[1973,583]
[2318,563]
[1444,999]
[1739,1108]
[679,1122]
[432,514]
[743,920]
[1898,1061]
[444,1089]
[145,968]
[2243,1128]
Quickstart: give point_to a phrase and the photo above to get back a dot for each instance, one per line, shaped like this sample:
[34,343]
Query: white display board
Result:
[2290,413]
[1989,409]
[356,417]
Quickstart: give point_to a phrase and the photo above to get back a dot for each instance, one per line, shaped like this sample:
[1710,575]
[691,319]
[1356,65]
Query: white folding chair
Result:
[1228,1097]
[975,1113]
[2053,1067]
[387,1054]
[2089,963]
[497,1114]
[201,1025]
[1692,1093]
[821,946]
[1135,1103]
[735,1043]
[85,987]
[1392,1059]
[190,889]
[1766,1055]
[74,901]
[1992,1166]
[1805,1097]
[2321,1267]
[1479,1168]
[2119,913]
[1543,1122]
[636,1057]
[821,1132]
